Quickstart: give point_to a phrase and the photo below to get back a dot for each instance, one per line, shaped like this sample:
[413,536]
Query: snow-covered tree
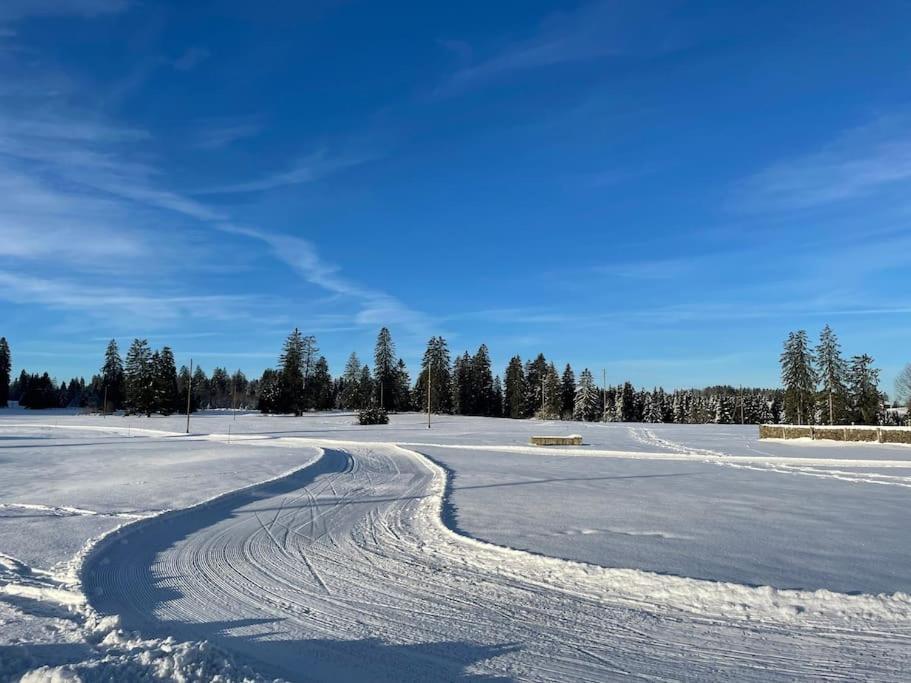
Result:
[798,378]
[863,390]
[832,372]
[585,406]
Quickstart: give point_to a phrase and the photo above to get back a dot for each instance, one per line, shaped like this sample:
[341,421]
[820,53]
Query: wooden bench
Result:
[571,440]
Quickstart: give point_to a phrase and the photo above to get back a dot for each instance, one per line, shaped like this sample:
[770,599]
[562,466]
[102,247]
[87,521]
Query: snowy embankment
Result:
[346,569]
[50,631]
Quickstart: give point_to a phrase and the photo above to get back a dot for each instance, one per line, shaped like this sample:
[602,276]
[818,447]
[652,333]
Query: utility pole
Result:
[429,374]
[234,397]
[104,406]
[189,394]
[603,392]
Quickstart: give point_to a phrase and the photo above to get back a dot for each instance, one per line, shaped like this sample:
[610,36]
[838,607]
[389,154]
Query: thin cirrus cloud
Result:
[375,307]
[219,134]
[859,163]
[308,170]
[593,31]
[15,10]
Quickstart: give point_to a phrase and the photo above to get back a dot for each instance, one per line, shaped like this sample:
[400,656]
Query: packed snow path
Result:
[344,571]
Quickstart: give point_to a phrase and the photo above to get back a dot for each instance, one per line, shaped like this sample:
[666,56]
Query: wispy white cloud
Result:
[15,10]
[191,58]
[375,306]
[857,164]
[112,302]
[216,134]
[593,31]
[307,170]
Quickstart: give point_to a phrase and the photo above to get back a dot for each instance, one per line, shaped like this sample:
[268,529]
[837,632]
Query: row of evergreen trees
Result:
[821,387]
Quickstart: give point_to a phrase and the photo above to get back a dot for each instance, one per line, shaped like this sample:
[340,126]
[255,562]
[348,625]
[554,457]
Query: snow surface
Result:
[342,567]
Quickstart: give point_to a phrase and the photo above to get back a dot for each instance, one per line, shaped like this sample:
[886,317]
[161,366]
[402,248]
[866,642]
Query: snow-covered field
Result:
[315,549]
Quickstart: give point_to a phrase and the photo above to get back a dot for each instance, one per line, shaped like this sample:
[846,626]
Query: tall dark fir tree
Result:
[384,368]
[112,378]
[291,364]
[799,379]
[438,364]
[514,391]
[139,379]
[832,375]
[6,367]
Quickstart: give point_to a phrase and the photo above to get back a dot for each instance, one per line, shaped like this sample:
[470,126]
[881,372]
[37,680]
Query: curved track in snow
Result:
[344,571]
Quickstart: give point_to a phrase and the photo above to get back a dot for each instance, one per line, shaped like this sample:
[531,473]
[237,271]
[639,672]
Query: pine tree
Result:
[903,387]
[436,357]
[585,404]
[460,386]
[319,388]
[112,378]
[652,412]
[351,384]
[535,372]
[270,392]
[798,378]
[497,397]
[366,388]
[567,392]
[553,395]
[482,382]
[202,395]
[625,407]
[291,364]
[402,387]
[863,390]
[832,371]
[165,382]
[723,411]
[6,366]
[514,399]
[139,378]
[384,366]
[239,386]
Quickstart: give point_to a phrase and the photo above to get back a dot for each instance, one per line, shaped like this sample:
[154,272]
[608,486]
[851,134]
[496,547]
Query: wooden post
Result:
[189,394]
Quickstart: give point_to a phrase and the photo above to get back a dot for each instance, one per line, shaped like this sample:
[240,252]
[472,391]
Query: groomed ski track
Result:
[345,571]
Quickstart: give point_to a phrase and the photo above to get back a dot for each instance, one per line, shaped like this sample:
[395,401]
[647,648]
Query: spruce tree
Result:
[567,393]
[165,371]
[585,404]
[482,382]
[320,385]
[497,397]
[436,361]
[553,395]
[402,385]
[863,390]
[384,363]
[903,387]
[112,378]
[514,398]
[351,384]
[535,372]
[832,371]
[6,366]
[460,386]
[291,367]
[366,388]
[139,378]
[798,378]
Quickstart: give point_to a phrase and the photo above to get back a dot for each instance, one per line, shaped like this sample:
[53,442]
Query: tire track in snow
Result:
[369,583]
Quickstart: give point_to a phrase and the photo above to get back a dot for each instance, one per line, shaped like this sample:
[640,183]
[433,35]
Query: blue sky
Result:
[660,189]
